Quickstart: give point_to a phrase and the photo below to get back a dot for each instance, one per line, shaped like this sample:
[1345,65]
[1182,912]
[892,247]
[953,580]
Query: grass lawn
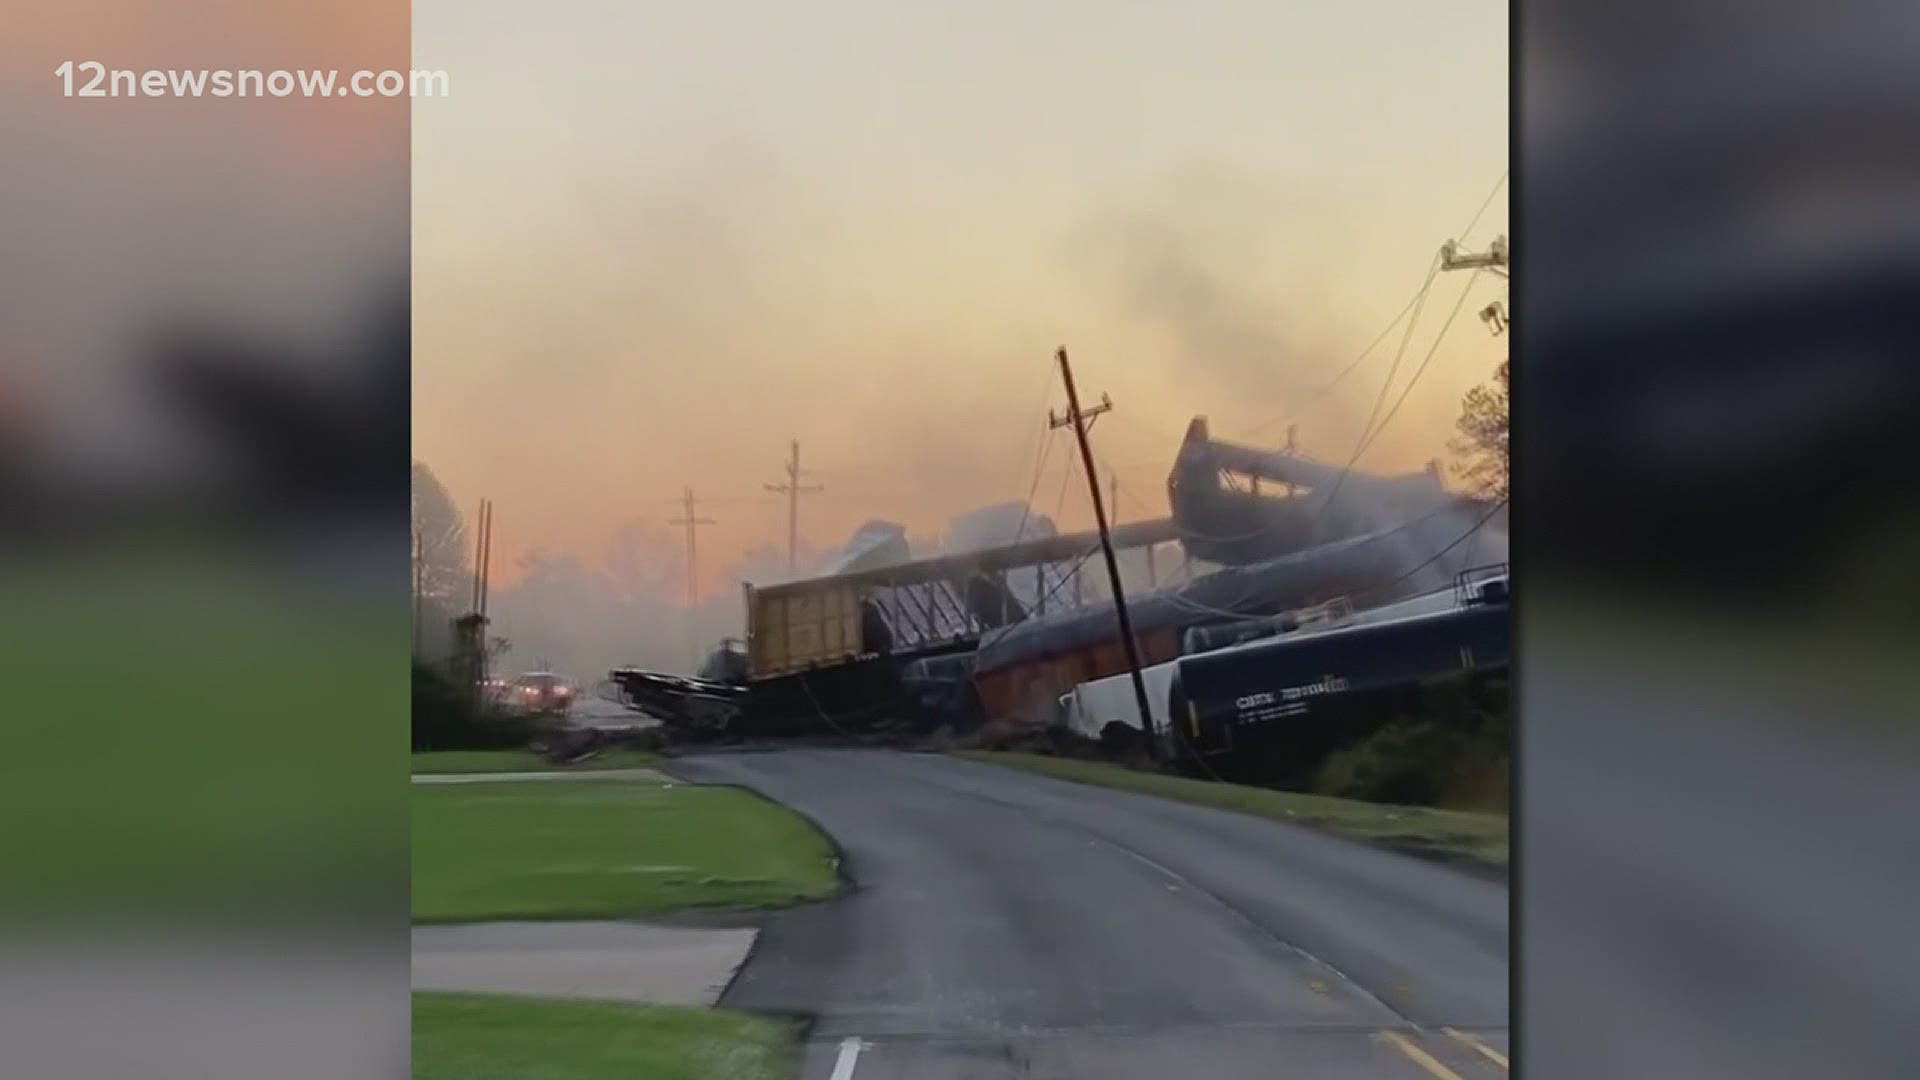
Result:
[609,848]
[486,761]
[504,1037]
[1481,836]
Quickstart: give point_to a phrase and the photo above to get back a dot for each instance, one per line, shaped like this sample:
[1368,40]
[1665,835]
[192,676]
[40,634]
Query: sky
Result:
[654,243]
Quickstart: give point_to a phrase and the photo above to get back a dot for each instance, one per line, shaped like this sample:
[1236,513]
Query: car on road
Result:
[539,693]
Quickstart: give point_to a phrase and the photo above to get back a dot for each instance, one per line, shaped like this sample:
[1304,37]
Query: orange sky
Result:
[652,244]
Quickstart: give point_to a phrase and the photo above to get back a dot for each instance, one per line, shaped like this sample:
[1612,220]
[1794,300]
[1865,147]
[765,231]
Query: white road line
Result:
[850,1048]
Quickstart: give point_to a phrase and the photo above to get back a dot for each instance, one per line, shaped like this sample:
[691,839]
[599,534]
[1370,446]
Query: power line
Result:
[1314,397]
[1326,387]
[1060,497]
[1045,436]
[1370,432]
[1039,468]
[1484,518]
[1398,354]
[1041,603]
[1486,202]
[1424,361]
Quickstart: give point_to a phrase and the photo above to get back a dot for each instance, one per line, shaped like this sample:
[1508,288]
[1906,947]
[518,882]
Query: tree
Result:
[1484,437]
[439,539]
[442,570]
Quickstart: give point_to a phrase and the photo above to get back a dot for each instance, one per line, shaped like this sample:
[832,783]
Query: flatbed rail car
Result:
[1267,705]
[693,706]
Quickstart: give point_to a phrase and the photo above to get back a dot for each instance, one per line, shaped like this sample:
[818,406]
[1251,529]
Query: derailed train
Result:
[1275,707]
[1276,704]
[967,637]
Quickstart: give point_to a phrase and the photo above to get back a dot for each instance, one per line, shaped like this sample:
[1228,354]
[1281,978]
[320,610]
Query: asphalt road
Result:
[1003,924]
[590,711]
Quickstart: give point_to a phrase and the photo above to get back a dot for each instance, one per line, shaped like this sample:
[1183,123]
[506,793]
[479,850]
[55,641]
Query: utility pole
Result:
[486,583]
[793,489]
[479,550]
[471,644]
[1494,260]
[692,521]
[1079,419]
[482,556]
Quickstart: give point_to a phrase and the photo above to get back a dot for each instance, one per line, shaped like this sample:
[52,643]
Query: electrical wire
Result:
[1436,556]
[1039,469]
[1426,360]
[1484,203]
[1062,580]
[1368,431]
[1327,387]
[1060,497]
[1415,305]
[1045,448]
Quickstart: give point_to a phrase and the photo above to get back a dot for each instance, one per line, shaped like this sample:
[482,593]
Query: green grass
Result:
[610,848]
[502,1037]
[1481,836]
[488,761]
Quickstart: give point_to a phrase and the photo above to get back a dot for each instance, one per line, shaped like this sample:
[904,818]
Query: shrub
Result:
[1450,747]
[446,719]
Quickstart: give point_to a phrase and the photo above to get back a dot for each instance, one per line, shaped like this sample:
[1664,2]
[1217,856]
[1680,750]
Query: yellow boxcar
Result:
[793,627]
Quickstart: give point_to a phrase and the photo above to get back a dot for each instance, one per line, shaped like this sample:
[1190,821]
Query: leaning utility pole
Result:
[1078,418]
[793,489]
[693,522]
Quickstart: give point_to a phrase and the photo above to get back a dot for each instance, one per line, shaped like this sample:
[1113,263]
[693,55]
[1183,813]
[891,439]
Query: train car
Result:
[1269,707]
[1092,709]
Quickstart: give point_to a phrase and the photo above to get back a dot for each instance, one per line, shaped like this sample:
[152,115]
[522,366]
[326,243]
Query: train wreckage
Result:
[1273,548]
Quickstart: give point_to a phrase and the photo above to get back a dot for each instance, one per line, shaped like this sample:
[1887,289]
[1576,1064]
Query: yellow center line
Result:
[1420,1057]
[1491,1054]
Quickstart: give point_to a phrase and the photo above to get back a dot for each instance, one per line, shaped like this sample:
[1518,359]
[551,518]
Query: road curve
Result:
[1003,924]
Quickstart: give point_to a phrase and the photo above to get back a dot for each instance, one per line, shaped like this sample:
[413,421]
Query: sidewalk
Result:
[622,961]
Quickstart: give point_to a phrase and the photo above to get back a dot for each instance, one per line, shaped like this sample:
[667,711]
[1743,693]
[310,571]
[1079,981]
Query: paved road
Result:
[1009,925]
[590,711]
